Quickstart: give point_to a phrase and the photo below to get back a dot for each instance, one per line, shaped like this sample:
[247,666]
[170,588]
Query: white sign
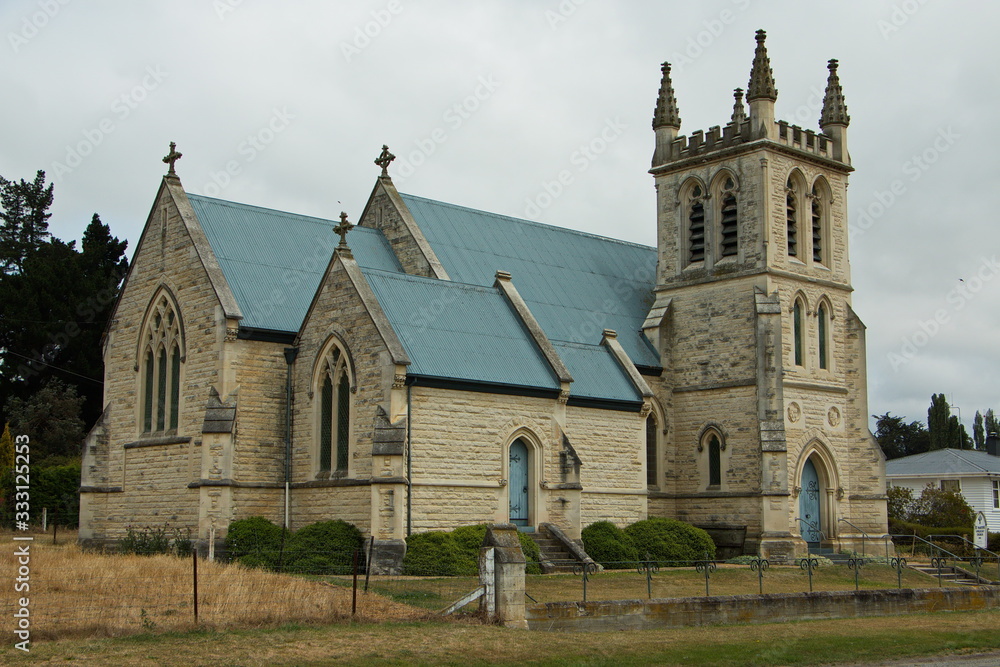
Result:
[981,531]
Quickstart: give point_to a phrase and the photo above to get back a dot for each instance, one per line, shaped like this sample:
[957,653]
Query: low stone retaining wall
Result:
[769,608]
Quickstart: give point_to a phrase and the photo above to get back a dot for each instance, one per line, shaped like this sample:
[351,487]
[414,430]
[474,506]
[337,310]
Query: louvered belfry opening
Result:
[730,244]
[817,227]
[790,215]
[696,228]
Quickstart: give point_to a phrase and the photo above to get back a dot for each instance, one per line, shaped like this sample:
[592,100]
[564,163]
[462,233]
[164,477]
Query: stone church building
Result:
[436,366]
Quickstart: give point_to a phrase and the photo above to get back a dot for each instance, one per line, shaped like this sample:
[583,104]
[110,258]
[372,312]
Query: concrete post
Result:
[508,574]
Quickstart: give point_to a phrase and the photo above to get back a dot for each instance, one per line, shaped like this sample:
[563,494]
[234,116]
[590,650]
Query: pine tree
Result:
[24,219]
[990,422]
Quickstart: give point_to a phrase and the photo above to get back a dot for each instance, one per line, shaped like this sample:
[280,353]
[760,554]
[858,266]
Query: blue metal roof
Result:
[596,373]
[575,284]
[274,261]
[460,332]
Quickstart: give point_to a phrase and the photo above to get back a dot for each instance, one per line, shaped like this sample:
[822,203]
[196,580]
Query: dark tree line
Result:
[898,438]
[55,300]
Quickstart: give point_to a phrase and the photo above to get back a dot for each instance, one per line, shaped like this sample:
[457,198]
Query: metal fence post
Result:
[898,564]
[759,565]
[354,587]
[194,579]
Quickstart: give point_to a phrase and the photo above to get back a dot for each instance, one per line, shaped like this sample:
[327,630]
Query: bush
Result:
[608,544]
[942,508]
[670,542]
[466,542]
[149,541]
[256,537]
[333,540]
[901,501]
[436,553]
[993,542]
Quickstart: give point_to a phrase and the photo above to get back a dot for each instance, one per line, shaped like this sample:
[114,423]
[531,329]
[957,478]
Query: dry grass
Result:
[75,593]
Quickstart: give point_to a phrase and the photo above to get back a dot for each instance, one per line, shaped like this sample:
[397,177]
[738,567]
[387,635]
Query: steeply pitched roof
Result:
[944,462]
[273,261]
[460,332]
[575,284]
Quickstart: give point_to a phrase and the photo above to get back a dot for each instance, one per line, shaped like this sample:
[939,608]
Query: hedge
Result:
[327,546]
[608,544]
[254,541]
[442,553]
[670,542]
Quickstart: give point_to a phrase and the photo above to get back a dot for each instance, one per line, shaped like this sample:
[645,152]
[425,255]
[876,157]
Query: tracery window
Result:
[160,371]
[335,413]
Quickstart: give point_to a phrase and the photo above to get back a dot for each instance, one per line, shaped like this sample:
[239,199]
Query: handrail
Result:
[862,531]
[812,526]
[972,544]
[931,544]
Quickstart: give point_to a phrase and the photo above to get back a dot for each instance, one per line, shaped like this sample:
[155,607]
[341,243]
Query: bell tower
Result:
[753,321]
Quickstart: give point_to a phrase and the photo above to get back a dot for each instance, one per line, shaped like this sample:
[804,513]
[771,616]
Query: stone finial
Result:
[172,157]
[384,160]
[739,111]
[761,78]
[834,106]
[342,229]
[666,114]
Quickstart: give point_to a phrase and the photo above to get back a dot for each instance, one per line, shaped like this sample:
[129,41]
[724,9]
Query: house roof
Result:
[273,261]
[944,462]
[575,284]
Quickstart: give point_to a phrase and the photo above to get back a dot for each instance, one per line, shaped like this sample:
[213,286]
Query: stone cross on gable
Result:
[172,157]
[384,159]
[342,229]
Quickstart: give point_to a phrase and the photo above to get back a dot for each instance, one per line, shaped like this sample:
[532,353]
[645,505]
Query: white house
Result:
[974,473]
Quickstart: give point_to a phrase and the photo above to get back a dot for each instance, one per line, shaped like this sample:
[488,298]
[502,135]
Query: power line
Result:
[58,368]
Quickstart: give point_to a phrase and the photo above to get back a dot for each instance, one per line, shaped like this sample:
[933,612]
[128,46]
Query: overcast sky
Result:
[285,105]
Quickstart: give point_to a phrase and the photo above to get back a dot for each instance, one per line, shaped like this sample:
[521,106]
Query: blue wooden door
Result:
[809,505]
[518,486]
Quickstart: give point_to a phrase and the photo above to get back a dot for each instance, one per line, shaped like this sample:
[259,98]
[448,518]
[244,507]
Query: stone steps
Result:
[553,555]
[949,574]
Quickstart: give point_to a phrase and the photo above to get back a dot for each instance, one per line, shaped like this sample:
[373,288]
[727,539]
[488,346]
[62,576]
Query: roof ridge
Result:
[411,277]
[530,222]
[960,454]
[289,214]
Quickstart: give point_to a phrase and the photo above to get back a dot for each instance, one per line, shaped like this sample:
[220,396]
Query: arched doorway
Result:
[517,488]
[810,505]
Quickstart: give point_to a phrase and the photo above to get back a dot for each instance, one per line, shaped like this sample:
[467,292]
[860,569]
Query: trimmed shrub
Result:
[670,542]
[332,541]
[436,553]
[608,544]
[257,537]
[532,555]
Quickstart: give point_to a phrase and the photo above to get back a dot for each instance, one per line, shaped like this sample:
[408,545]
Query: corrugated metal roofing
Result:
[944,462]
[596,373]
[462,332]
[575,284]
[273,261]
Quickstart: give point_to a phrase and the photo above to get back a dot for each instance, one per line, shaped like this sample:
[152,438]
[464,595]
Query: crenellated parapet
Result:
[759,125]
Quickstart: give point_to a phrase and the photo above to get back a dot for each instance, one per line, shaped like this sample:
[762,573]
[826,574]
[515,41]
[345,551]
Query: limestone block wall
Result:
[259,451]
[325,503]
[165,257]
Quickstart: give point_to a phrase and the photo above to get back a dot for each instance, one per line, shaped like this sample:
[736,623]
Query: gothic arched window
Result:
[791,218]
[696,226]
[817,226]
[728,220]
[822,322]
[712,445]
[334,413]
[652,458]
[160,370]
[797,332]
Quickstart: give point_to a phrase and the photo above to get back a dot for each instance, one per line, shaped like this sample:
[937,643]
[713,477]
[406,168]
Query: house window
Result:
[952,485]
[817,226]
[797,332]
[728,220]
[822,326]
[652,469]
[791,219]
[996,494]
[696,227]
[334,414]
[162,359]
